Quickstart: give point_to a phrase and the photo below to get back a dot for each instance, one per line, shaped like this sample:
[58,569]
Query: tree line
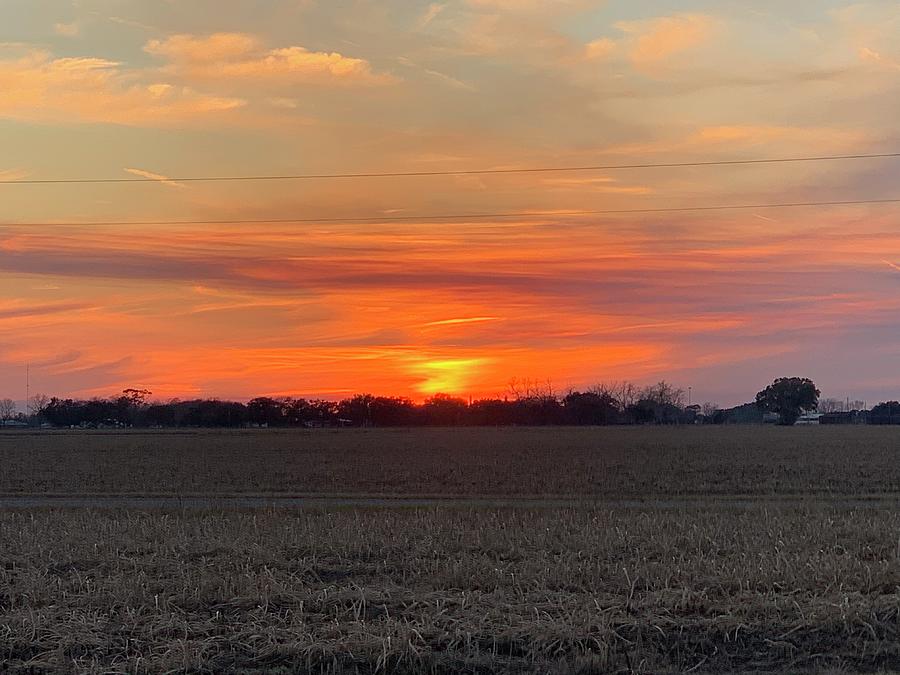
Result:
[526,404]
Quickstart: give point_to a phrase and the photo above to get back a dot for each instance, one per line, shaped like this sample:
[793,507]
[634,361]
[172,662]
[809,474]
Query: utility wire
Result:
[462,216]
[464,172]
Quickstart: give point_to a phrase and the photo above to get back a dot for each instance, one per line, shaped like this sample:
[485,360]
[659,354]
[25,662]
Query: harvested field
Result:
[615,550]
[603,462]
[451,590]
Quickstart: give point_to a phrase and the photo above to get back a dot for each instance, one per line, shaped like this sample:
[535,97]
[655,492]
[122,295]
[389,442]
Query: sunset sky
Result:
[722,302]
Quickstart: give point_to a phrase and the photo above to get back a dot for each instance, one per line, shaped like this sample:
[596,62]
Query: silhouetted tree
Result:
[7,409]
[296,411]
[591,408]
[663,394]
[214,413]
[641,412]
[788,397]
[36,406]
[321,412]
[357,410]
[266,411]
[531,404]
[388,411]
[161,414]
[130,406]
[61,412]
[885,413]
[491,412]
[444,410]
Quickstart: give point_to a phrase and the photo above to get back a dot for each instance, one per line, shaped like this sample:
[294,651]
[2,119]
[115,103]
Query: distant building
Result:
[809,418]
[851,417]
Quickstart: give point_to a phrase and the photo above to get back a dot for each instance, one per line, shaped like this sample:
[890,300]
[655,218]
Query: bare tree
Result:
[522,389]
[663,393]
[624,393]
[710,409]
[831,405]
[7,409]
[37,404]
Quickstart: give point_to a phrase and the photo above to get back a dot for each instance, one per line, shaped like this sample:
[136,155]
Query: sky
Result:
[722,302]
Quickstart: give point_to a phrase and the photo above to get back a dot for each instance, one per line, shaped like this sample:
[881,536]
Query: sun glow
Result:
[453,376]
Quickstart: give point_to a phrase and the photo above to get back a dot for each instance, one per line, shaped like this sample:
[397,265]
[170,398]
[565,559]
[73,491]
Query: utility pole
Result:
[689,396]
[27,388]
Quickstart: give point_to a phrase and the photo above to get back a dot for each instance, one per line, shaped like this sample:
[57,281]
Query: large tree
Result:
[789,397]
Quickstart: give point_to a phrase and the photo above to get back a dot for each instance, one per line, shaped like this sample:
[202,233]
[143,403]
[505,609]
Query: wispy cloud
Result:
[443,77]
[13,174]
[165,180]
[67,29]
[430,14]
[452,81]
[471,319]
[872,56]
[21,310]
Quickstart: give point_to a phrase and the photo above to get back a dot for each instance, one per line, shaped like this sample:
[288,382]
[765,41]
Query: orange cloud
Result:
[781,140]
[236,56]
[654,41]
[754,134]
[872,56]
[215,48]
[13,174]
[599,49]
[38,87]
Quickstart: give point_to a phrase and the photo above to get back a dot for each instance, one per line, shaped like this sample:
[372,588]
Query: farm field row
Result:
[617,463]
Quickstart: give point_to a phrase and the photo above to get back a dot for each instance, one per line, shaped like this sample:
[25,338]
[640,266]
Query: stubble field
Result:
[616,462]
[740,550]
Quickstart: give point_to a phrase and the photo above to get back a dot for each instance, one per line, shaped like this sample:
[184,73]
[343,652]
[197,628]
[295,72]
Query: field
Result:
[688,550]
[609,462]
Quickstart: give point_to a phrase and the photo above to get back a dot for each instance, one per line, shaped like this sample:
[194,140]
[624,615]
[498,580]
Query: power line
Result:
[462,172]
[460,216]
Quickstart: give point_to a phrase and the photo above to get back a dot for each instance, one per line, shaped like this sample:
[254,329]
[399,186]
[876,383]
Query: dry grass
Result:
[610,462]
[451,590]
[731,586]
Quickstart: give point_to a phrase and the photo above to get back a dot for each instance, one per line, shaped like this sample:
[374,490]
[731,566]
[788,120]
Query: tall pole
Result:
[27,388]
